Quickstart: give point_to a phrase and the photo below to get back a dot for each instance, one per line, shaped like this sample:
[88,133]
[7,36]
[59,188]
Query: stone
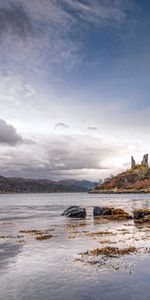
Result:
[75,212]
[133,163]
[101,211]
[147,218]
[140,213]
[145,160]
[113,214]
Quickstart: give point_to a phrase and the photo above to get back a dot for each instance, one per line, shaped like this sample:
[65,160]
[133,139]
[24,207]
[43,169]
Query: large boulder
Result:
[75,212]
[101,211]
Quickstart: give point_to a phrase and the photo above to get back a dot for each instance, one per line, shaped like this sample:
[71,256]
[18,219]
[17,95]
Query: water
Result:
[49,269]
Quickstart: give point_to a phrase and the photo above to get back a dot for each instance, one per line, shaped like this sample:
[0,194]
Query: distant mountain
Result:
[134,180]
[22,185]
[82,185]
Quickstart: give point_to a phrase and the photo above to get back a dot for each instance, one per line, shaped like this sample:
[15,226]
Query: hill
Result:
[134,180]
[82,185]
[22,185]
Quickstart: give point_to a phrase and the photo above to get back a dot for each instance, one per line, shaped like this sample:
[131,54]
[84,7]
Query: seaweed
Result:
[110,251]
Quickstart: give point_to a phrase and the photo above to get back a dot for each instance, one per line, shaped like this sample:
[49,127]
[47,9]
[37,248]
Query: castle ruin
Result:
[133,163]
[144,161]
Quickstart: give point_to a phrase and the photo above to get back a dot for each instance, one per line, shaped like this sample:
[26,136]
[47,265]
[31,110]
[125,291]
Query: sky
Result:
[74,87]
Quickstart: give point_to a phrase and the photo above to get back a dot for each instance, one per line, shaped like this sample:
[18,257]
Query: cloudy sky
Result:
[74,87]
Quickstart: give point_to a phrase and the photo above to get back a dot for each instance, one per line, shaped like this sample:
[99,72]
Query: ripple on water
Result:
[45,269]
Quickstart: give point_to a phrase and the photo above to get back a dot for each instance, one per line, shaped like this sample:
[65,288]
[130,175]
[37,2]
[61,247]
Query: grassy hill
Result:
[134,180]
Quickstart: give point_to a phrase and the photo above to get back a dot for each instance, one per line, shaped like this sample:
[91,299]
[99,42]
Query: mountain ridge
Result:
[29,185]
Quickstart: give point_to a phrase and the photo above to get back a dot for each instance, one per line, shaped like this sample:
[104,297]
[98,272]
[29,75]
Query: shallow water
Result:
[50,269]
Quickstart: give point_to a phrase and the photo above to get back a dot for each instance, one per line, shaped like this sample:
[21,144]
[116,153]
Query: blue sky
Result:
[74,87]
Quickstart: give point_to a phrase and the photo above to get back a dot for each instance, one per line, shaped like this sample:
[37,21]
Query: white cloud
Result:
[97,12]
[32,98]
[60,156]
[41,30]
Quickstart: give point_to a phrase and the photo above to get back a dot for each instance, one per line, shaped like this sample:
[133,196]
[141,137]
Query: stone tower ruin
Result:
[144,161]
[133,164]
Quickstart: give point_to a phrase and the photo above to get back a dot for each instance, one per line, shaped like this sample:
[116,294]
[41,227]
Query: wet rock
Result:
[147,219]
[101,211]
[141,214]
[114,214]
[75,212]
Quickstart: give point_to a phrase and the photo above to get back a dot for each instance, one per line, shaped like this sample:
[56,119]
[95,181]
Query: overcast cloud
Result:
[74,87]
[58,156]
[14,20]
[8,134]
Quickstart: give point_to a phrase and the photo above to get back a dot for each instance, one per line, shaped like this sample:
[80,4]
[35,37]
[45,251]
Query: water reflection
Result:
[44,270]
[8,252]
[140,203]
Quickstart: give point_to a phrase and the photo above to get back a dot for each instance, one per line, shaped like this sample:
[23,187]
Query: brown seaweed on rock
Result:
[141,215]
[110,251]
[110,213]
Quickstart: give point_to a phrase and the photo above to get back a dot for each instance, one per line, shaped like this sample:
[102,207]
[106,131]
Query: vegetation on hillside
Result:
[132,180]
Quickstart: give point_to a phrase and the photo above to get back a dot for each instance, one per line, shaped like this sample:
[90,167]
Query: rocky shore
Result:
[109,237]
[115,242]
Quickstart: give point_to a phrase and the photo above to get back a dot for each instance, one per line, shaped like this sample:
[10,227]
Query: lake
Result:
[51,269]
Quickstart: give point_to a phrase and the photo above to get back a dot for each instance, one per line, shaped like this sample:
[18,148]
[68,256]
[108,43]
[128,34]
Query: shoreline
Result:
[120,192]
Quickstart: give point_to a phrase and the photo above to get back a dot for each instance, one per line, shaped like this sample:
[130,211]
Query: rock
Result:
[145,160]
[101,211]
[113,214]
[141,213]
[146,218]
[133,163]
[75,212]
[118,211]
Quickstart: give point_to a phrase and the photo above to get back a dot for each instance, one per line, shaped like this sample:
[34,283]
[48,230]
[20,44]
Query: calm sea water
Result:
[49,269]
